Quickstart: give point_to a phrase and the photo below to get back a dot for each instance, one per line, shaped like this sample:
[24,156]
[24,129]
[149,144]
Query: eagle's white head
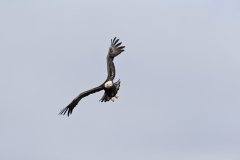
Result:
[108,84]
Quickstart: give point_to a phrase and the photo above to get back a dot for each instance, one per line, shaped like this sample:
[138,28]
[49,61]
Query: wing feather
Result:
[115,48]
[75,101]
[115,42]
[114,39]
[118,44]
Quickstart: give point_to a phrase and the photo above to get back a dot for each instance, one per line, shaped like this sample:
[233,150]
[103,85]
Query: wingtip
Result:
[116,41]
[64,111]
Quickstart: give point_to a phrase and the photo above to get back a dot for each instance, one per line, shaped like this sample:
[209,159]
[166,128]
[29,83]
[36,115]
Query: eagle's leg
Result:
[114,98]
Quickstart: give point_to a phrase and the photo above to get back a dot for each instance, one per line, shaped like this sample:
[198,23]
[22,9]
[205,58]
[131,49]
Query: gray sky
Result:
[180,73]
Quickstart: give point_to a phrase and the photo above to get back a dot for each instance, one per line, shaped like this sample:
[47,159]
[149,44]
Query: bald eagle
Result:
[111,88]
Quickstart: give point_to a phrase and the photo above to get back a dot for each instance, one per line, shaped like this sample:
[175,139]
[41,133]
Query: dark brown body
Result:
[111,92]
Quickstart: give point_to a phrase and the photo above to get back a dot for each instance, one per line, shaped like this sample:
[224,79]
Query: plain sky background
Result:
[180,80]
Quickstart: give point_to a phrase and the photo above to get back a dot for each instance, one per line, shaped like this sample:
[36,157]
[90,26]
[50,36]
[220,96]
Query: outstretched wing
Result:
[114,50]
[73,104]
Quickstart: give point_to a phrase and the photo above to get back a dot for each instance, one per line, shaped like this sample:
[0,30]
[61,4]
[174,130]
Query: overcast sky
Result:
[180,80]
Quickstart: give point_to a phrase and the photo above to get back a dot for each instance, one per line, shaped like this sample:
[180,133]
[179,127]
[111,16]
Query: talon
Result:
[113,99]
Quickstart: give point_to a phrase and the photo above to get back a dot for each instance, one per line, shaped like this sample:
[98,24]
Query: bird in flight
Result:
[111,88]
